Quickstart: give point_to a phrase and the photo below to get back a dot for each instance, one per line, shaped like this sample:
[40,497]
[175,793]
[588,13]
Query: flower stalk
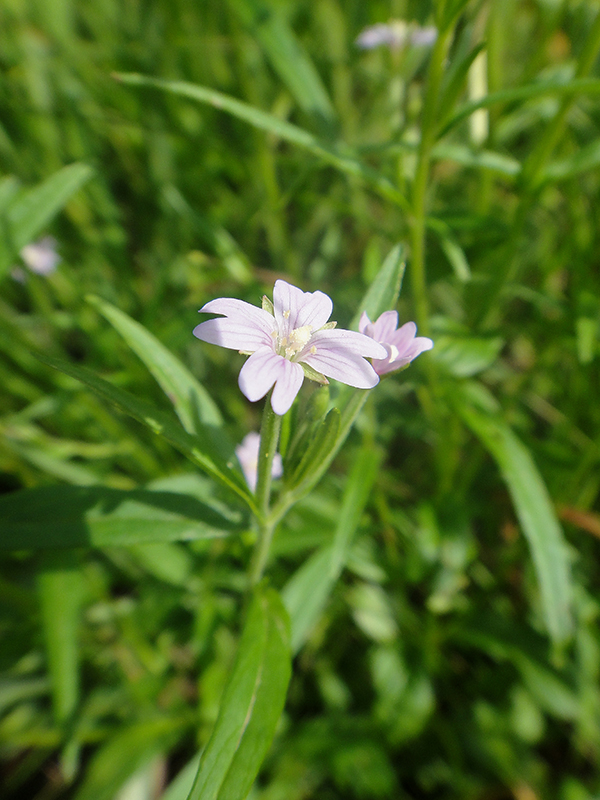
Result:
[269,438]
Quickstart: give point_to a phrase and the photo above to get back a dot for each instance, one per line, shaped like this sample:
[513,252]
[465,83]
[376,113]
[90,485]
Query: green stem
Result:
[419,194]
[532,180]
[269,437]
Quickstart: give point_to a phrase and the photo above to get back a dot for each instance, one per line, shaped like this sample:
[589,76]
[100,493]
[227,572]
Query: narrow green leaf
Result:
[454,80]
[127,751]
[60,592]
[95,516]
[9,186]
[190,399]
[29,213]
[477,159]
[346,163]
[252,704]
[534,510]
[307,592]
[321,443]
[289,59]
[199,448]
[465,356]
[526,92]
[181,785]
[384,291]
[583,160]
[216,238]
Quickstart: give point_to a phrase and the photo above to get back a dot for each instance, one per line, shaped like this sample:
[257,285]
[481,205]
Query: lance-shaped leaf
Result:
[201,448]
[60,589]
[252,704]
[288,57]
[96,516]
[532,505]
[335,156]
[382,295]
[190,399]
[28,213]
[307,592]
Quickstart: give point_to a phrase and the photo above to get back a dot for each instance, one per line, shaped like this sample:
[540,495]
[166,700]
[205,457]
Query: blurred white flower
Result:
[395,34]
[41,256]
[247,453]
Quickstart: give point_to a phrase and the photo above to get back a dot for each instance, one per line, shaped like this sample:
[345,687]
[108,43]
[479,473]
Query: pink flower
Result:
[41,256]
[402,346]
[395,34]
[287,339]
[247,454]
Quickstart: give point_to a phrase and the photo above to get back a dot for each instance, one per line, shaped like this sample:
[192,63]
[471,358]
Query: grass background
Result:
[430,673]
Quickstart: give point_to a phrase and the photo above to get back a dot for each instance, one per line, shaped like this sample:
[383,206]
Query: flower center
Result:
[290,345]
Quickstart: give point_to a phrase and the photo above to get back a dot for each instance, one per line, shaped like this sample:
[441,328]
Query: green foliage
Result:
[435,541]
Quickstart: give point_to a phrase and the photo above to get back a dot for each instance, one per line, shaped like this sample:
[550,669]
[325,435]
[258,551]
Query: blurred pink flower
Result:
[395,34]
[402,346]
[247,454]
[41,256]
[286,339]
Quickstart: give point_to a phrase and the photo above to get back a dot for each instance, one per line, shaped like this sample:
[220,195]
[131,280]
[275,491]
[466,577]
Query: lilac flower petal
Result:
[385,326]
[343,366]
[315,310]
[287,301]
[260,372]
[305,308]
[233,333]
[350,341]
[232,307]
[402,338]
[247,455]
[401,345]
[287,387]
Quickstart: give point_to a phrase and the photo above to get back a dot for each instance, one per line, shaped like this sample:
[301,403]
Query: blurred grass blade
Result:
[527,92]
[190,399]
[477,159]
[9,186]
[288,58]
[60,590]
[454,80]
[128,750]
[252,704]
[534,510]
[384,291]
[30,212]
[206,449]
[347,164]
[220,242]
[74,516]
[582,160]
[307,592]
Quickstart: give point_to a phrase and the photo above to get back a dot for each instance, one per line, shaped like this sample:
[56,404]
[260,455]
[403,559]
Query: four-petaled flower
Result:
[287,339]
[401,345]
[247,454]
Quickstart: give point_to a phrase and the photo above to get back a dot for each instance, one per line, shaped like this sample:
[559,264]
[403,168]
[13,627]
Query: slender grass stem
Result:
[421,182]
